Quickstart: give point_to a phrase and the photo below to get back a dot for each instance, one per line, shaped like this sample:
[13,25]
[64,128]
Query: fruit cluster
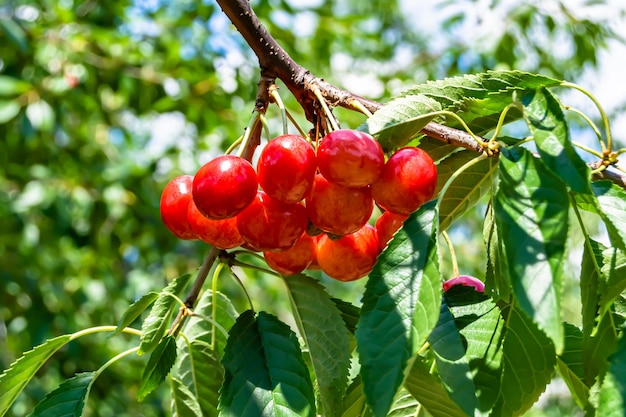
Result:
[303,208]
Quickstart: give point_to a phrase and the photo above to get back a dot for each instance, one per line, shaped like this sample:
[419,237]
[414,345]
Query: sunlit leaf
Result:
[15,377]
[612,399]
[68,399]
[265,374]
[404,404]
[497,284]
[134,311]
[531,208]
[570,365]
[326,337]
[184,403]
[11,86]
[400,307]
[8,110]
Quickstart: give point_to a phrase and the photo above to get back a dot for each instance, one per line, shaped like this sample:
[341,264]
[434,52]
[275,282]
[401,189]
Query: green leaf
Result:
[265,374]
[355,404]
[10,86]
[326,336]
[184,403]
[404,404]
[613,283]
[545,118]
[8,110]
[612,398]
[497,284]
[531,208]
[437,149]
[155,325]
[429,391]
[158,367]
[68,399]
[482,328]
[15,377]
[529,359]
[452,365]
[570,365]
[467,189]
[612,204]
[198,328]
[134,311]
[15,33]
[199,369]
[349,313]
[400,307]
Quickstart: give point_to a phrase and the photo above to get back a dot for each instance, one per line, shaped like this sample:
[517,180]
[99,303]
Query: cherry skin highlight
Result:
[351,257]
[268,224]
[175,200]
[350,158]
[295,259]
[224,186]
[465,280]
[222,234]
[407,181]
[337,209]
[286,168]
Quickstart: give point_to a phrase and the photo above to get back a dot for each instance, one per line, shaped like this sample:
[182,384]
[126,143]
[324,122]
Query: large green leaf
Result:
[497,284]
[545,118]
[199,369]
[265,374]
[158,367]
[68,399]
[529,359]
[531,209]
[400,307]
[404,405]
[326,336]
[134,311]
[467,189]
[569,364]
[15,377]
[612,399]
[613,283]
[184,403]
[157,322]
[429,391]
[452,365]
[482,329]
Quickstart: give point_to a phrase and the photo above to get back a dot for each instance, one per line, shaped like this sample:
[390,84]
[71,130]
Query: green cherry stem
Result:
[329,114]
[273,90]
[587,149]
[295,123]
[501,122]
[243,287]
[248,134]
[216,275]
[590,123]
[113,360]
[455,264]
[455,175]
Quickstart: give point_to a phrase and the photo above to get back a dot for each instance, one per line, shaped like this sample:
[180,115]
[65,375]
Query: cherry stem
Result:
[243,287]
[455,264]
[329,114]
[279,102]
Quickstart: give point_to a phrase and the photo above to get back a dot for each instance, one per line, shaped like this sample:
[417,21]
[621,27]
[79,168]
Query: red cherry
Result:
[407,181]
[224,186]
[175,199]
[295,259]
[387,225]
[466,280]
[337,209]
[350,257]
[350,158]
[286,168]
[268,224]
[223,234]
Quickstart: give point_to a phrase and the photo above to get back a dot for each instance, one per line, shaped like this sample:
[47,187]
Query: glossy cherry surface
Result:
[175,199]
[286,168]
[337,209]
[387,225]
[268,224]
[351,257]
[350,158]
[223,234]
[465,280]
[224,186]
[295,259]
[407,181]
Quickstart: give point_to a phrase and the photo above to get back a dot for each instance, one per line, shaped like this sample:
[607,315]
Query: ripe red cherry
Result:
[350,158]
[224,186]
[295,259]
[337,209]
[222,234]
[466,280]
[350,257]
[407,181]
[175,199]
[286,168]
[268,224]
[387,225]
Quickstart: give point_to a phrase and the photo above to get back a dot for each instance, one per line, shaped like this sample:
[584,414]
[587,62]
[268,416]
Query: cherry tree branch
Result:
[275,62]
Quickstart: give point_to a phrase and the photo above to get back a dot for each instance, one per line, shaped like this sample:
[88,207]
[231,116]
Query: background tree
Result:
[101,104]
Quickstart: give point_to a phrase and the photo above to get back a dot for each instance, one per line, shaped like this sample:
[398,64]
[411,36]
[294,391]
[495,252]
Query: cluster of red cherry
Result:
[312,208]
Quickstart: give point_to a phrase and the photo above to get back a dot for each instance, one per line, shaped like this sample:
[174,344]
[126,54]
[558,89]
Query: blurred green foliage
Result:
[101,103]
